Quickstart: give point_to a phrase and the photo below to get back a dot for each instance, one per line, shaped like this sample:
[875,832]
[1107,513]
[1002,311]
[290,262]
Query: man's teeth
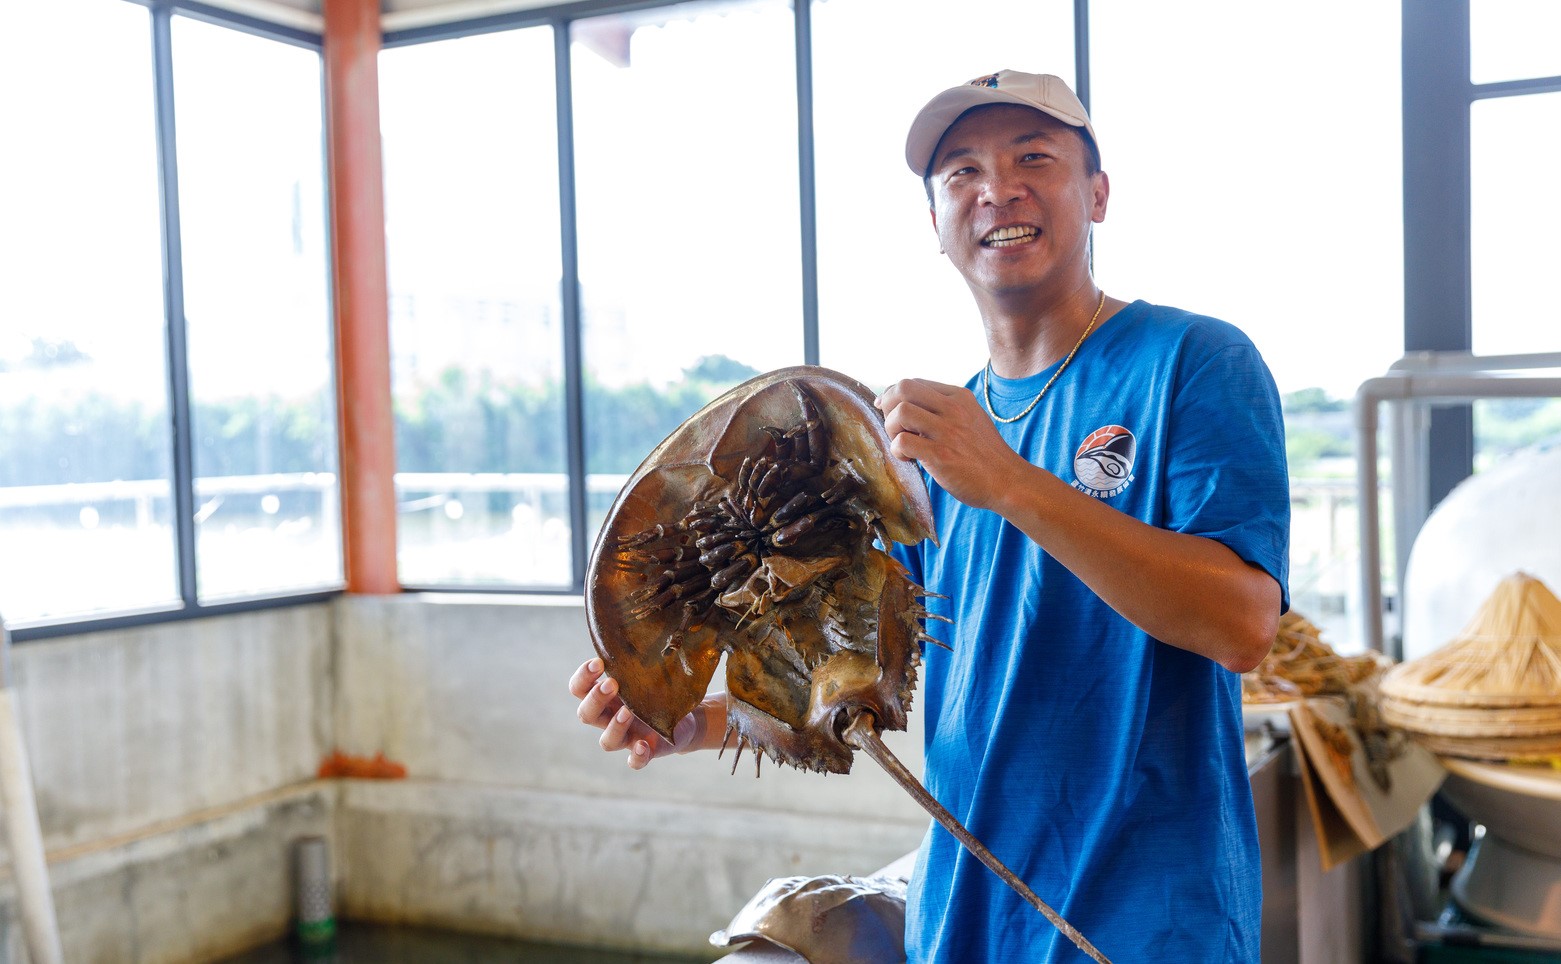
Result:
[1007,237]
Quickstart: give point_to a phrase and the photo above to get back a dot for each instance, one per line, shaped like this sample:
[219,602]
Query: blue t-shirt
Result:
[1107,769]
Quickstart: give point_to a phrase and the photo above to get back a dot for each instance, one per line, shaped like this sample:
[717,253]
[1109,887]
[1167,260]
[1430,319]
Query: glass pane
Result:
[256,297]
[1515,204]
[85,520]
[1503,426]
[889,307]
[689,247]
[471,197]
[1268,209]
[1514,40]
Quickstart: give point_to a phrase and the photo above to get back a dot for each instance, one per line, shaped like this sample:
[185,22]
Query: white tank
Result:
[1491,525]
[1505,519]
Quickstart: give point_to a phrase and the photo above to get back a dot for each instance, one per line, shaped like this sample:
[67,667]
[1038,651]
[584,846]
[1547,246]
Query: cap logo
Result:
[990,80]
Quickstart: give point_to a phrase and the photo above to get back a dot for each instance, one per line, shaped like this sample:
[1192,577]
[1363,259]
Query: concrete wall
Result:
[515,821]
[174,768]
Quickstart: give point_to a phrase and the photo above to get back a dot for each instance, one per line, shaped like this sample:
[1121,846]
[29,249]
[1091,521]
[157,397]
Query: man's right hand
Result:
[602,708]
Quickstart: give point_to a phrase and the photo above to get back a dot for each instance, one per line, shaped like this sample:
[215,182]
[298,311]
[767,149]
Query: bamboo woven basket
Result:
[1300,665]
[1532,749]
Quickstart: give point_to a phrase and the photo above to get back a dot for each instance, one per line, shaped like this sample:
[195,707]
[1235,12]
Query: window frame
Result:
[160,18]
[1438,244]
[1437,256]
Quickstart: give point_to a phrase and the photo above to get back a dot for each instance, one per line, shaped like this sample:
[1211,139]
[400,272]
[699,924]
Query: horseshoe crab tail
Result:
[860,733]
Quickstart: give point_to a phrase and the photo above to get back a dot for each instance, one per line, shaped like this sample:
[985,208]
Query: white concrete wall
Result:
[174,768]
[129,728]
[514,820]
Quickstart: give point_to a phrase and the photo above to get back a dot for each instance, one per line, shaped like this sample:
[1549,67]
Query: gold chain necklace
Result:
[986,372]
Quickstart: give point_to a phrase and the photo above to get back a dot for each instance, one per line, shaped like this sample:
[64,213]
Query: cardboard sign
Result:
[1363,786]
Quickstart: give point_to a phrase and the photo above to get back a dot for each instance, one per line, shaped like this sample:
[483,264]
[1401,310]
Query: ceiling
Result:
[395,14]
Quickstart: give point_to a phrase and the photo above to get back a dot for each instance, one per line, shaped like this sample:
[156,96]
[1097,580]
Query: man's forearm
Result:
[1184,590]
[709,724]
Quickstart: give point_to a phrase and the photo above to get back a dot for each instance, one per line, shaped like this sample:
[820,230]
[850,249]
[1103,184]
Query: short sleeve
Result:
[1227,476]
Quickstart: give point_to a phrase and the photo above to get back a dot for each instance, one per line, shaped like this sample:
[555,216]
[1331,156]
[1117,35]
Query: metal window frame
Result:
[182,481]
[1437,96]
[559,18]
[1413,384]
[1433,435]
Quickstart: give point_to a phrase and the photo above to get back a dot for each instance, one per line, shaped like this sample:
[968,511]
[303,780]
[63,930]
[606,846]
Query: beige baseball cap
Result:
[1045,92]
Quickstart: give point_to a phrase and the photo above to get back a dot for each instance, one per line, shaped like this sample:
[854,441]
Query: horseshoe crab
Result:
[758,529]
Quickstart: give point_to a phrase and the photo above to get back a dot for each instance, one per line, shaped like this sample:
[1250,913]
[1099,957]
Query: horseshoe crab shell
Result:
[751,531]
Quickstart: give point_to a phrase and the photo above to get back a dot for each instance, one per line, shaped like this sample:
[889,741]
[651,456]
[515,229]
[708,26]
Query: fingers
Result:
[624,731]
[599,703]
[617,733]
[642,752]
[923,391]
[909,417]
[602,707]
[910,447]
[585,677]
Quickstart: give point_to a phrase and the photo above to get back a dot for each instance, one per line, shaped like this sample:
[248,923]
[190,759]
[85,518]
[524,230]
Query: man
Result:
[1111,496]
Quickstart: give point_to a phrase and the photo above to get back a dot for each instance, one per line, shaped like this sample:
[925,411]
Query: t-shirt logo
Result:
[1103,465]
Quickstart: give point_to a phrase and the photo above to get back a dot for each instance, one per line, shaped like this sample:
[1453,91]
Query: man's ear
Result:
[1102,192]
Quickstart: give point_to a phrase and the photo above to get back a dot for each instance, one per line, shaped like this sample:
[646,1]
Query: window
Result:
[1513,40]
[690,257]
[85,466]
[548,331]
[471,198]
[106,342]
[890,307]
[1240,191]
[257,313]
[1515,146]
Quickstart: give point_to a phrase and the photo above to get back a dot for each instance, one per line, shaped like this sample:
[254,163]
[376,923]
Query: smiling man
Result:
[1112,501]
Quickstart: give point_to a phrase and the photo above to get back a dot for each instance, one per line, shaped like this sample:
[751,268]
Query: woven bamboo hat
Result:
[1508,655]
[1493,691]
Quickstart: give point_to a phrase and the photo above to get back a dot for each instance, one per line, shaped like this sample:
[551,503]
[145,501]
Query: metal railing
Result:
[1413,385]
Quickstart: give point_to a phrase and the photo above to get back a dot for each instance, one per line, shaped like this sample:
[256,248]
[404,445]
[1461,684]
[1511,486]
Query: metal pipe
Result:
[28,863]
[1422,387]
[1462,361]
[1410,426]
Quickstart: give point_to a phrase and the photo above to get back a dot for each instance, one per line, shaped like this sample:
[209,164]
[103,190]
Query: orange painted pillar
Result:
[367,426]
